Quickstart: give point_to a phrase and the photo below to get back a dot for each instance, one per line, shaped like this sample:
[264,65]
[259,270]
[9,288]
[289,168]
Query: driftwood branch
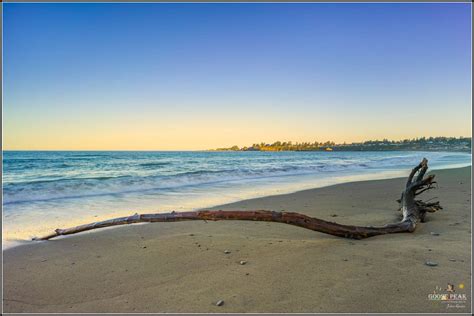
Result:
[413,211]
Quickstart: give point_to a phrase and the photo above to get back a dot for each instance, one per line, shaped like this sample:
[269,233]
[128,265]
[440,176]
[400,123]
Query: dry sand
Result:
[182,267]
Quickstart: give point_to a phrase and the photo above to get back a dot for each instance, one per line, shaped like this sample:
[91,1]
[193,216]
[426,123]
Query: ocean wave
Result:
[46,190]
[86,190]
[136,173]
[64,165]
[154,164]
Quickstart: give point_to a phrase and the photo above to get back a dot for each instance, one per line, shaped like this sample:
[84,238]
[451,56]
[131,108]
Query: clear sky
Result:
[199,76]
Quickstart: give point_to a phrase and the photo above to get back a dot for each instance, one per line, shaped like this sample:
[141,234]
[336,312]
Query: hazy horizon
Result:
[183,76]
[227,146]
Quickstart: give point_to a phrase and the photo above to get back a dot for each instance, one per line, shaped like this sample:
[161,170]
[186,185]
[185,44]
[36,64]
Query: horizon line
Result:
[216,148]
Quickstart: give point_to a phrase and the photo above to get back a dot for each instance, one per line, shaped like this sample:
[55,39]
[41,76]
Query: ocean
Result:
[45,190]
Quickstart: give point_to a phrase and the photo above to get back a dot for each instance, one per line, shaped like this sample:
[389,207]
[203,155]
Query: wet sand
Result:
[182,267]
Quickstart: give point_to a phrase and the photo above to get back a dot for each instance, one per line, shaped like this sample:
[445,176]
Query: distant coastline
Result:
[461,144]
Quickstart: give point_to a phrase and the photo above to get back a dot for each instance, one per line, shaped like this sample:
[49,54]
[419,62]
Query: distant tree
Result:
[423,143]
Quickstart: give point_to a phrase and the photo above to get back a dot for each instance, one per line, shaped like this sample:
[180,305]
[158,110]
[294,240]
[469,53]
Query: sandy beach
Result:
[182,267]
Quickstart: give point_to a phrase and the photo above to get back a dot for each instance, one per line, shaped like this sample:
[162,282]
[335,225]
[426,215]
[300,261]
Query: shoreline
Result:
[181,267]
[303,186]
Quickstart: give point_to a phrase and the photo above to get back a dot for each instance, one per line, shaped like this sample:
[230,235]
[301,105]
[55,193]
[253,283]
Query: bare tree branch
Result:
[413,212]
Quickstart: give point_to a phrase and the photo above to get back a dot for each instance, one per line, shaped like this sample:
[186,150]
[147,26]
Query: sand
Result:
[182,267]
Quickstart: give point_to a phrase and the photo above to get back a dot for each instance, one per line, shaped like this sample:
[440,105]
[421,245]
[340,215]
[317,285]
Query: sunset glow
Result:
[200,76]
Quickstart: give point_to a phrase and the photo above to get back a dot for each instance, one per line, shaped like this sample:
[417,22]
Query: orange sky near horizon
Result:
[201,134]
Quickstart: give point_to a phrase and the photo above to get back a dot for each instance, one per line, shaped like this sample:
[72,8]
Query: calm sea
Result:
[44,190]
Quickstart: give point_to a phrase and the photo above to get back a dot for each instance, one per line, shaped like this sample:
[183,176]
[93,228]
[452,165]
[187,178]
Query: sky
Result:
[156,76]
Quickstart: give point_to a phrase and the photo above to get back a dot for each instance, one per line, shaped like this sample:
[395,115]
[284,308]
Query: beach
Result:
[183,267]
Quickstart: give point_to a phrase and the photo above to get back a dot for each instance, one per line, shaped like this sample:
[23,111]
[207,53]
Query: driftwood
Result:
[413,212]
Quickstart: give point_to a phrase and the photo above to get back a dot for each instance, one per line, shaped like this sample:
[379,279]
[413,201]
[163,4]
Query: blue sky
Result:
[197,76]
